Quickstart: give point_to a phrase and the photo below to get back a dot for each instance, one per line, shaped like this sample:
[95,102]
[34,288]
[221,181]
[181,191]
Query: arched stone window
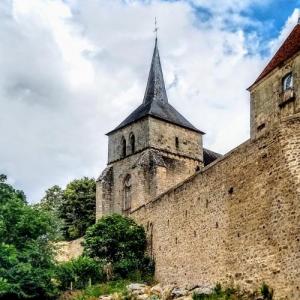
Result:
[123,147]
[132,142]
[127,193]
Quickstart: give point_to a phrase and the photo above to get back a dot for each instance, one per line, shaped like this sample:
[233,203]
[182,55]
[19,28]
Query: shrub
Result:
[80,272]
[115,238]
[121,242]
[266,292]
[125,266]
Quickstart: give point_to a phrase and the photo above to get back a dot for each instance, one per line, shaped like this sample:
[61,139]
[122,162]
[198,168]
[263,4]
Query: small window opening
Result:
[288,82]
[261,127]
[176,240]
[132,142]
[186,213]
[177,142]
[197,169]
[230,191]
[123,144]
[127,193]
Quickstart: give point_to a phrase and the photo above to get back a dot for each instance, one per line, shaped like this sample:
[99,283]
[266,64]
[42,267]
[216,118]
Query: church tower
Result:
[153,149]
[275,95]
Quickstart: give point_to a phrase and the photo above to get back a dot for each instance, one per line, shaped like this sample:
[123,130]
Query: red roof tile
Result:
[290,47]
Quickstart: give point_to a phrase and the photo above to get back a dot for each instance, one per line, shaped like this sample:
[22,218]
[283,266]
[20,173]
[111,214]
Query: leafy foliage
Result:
[120,241]
[80,272]
[114,238]
[73,208]
[77,208]
[52,200]
[51,203]
[117,286]
[26,256]
[266,292]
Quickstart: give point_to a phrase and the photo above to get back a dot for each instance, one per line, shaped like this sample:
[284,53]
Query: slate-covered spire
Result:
[155,102]
[155,90]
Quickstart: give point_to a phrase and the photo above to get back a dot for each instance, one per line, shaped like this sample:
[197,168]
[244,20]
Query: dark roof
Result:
[288,49]
[209,156]
[155,101]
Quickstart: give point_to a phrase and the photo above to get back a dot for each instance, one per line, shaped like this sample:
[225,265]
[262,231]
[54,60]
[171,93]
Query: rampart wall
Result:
[237,221]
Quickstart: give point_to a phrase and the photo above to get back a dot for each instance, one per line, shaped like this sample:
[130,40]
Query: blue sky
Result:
[82,68]
[273,15]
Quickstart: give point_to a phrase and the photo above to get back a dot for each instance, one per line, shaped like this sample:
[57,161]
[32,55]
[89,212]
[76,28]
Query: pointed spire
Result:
[155,90]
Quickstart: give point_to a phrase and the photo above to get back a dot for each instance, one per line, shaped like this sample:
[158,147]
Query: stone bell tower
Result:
[153,149]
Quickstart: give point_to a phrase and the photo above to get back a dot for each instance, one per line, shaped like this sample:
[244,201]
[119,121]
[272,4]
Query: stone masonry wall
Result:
[162,135]
[141,132]
[148,180]
[267,107]
[154,133]
[157,164]
[236,221]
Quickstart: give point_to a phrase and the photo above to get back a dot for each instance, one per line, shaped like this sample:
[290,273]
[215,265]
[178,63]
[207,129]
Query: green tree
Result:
[51,204]
[120,241]
[26,254]
[52,200]
[77,208]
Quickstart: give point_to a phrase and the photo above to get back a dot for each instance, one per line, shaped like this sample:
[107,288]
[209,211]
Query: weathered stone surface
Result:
[106,297]
[167,292]
[237,221]
[138,288]
[143,297]
[68,250]
[202,290]
[267,98]
[157,290]
[179,292]
[156,165]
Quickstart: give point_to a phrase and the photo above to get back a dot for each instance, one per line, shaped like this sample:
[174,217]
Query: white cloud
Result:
[73,70]
[286,30]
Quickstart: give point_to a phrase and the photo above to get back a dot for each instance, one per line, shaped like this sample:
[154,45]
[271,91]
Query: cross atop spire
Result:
[155,28]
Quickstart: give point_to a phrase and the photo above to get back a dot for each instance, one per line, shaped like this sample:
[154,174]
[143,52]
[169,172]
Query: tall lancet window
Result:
[132,142]
[127,193]
[123,147]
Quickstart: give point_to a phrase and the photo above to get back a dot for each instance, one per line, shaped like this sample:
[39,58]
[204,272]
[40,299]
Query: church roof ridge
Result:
[155,101]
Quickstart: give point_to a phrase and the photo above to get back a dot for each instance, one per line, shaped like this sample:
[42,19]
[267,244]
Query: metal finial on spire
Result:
[155,28]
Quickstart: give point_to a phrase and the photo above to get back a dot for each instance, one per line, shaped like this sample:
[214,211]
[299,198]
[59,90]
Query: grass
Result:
[117,286]
[112,287]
